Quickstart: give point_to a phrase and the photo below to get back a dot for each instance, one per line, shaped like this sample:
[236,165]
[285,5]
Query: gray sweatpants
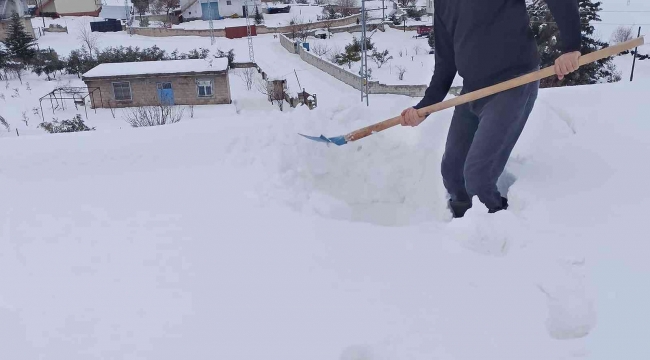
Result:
[481,137]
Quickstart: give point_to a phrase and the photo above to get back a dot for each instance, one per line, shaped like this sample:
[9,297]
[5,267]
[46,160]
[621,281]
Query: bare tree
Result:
[417,48]
[299,29]
[622,34]
[247,75]
[89,39]
[380,58]
[153,115]
[320,2]
[334,54]
[320,49]
[141,6]
[347,7]
[400,72]
[166,6]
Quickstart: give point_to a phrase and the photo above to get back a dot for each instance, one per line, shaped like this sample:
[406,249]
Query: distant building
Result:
[173,82]
[7,8]
[70,7]
[201,9]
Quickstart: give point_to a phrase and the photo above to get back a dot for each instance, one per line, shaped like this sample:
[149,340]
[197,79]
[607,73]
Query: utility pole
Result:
[211,22]
[364,55]
[383,11]
[128,19]
[251,52]
[636,53]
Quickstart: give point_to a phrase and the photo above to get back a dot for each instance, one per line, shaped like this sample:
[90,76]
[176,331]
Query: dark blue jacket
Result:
[490,41]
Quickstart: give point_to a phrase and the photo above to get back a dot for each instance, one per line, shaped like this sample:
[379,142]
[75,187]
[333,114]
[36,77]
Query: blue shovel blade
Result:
[338,140]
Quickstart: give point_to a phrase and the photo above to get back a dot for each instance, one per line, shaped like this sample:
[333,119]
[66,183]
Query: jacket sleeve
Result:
[567,16]
[445,68]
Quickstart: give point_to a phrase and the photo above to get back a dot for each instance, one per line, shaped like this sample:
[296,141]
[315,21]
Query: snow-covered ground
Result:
[406,51]
[228,236]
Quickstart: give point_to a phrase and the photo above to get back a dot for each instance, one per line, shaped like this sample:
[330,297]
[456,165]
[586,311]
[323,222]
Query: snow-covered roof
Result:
[158,67]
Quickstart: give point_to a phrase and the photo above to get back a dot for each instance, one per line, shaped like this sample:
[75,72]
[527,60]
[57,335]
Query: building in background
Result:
[150,83]
[7,8]
[69,7]
[200,9]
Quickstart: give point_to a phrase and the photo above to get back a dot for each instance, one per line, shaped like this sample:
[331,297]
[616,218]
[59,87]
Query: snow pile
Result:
[191,66]
[201,238]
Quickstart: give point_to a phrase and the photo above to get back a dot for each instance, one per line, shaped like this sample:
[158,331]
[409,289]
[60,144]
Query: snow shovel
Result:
[478,94]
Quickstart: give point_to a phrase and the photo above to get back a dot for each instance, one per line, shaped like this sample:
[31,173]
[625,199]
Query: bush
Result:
[144,22]
[66,126]
[416,14]
[153,115]
[230,54]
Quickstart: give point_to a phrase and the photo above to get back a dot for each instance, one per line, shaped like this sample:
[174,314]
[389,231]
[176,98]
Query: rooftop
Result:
[158,67]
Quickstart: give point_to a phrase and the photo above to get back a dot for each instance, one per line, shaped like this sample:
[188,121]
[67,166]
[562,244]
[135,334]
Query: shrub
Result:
[153,115]
[76,124]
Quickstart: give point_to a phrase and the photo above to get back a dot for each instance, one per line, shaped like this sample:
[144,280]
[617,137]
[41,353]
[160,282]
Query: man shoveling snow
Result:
[488,42]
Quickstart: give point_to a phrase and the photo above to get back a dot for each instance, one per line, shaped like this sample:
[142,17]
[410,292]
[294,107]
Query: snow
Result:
[190,66]
[406,51]
[228,236]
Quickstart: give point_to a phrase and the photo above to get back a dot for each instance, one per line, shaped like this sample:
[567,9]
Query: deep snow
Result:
[229,236]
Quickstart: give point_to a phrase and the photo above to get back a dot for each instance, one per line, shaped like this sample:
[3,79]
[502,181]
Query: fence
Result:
[356,81]
[261,29]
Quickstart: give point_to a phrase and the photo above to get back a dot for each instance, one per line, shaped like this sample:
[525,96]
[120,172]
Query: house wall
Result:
[144,91]
[4,28]
[76,6]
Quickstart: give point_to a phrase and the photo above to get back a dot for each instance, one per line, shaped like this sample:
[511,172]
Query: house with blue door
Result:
[218,9]
[151,83]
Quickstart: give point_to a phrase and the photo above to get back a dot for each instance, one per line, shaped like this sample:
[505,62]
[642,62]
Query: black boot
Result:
[504,206]
[459,208]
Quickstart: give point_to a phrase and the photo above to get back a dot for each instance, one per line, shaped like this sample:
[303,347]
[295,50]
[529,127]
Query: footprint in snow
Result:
[571,312]
[357,352]
[487,234]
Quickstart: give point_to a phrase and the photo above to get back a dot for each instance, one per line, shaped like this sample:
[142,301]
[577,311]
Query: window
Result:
[122,91]
[228,2]
[204,88]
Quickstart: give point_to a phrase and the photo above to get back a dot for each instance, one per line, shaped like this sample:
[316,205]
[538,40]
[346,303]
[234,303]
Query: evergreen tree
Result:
[432,40]
[259,18]
[546,33]
[47,62]
[20,45]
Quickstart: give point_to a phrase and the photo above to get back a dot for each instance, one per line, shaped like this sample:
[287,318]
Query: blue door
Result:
[210,10]
[165,93]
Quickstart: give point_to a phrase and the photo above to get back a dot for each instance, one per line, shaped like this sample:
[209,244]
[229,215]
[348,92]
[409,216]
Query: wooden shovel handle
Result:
[507,85]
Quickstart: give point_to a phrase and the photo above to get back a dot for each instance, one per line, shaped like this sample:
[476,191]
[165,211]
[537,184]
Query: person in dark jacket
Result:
[487,42]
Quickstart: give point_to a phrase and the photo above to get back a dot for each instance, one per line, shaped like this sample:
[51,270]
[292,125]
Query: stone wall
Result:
[261,29]
[164,32]
[144,91]
[356,81]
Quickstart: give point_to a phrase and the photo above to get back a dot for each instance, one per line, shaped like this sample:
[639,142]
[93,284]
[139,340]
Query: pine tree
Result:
[259,18]
[432,40]
[546,33]
[20,45]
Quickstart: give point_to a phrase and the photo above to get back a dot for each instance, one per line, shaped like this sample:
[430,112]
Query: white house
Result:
[70,7]
[201,9]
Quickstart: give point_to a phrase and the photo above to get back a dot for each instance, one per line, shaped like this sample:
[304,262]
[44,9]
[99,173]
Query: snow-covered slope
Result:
[230,237]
